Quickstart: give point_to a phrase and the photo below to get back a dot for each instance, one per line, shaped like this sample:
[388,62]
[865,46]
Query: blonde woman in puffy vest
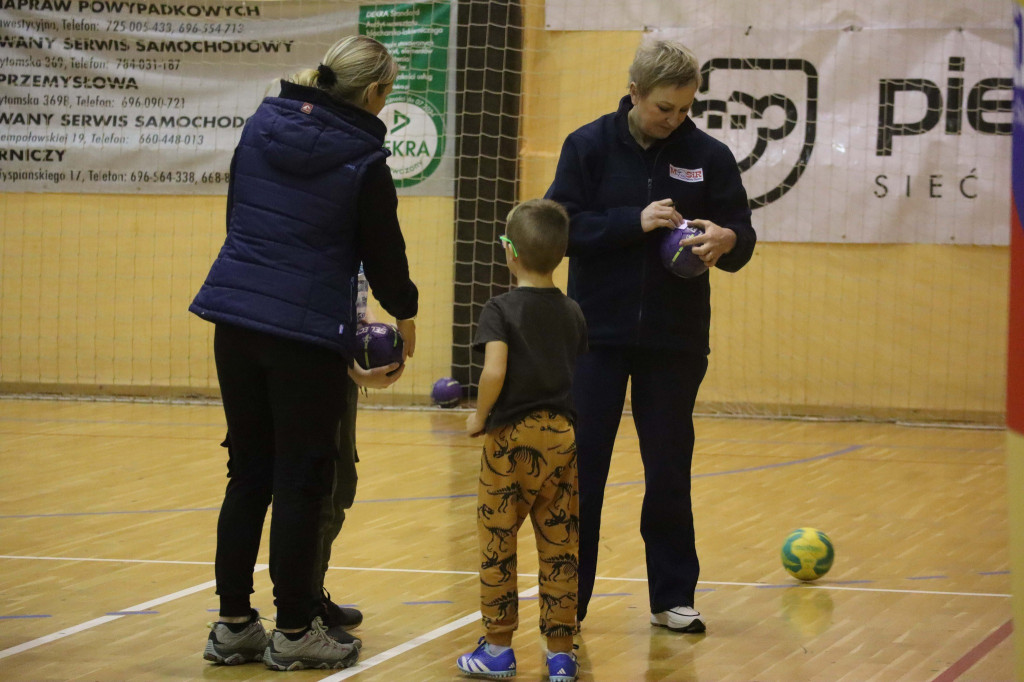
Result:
[310,197]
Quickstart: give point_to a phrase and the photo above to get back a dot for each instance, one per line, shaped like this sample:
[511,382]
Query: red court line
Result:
[976,654]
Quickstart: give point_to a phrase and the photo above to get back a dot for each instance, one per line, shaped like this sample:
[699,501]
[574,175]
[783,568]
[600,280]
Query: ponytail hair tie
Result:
[325,76]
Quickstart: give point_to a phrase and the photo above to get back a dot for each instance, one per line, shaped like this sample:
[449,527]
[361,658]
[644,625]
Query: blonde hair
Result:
[357,62]
[539,228]
[663,62]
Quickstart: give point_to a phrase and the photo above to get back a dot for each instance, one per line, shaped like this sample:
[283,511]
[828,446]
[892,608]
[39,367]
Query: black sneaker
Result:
[343,636]
[340,616]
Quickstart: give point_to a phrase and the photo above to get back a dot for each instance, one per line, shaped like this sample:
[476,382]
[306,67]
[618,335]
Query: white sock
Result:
[495,649]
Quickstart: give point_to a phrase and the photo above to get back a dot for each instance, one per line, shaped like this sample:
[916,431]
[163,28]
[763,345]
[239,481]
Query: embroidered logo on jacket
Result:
[686,174]
[307,108]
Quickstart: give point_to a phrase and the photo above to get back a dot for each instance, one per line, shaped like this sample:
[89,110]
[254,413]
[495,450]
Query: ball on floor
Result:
[446,392]
[807,554]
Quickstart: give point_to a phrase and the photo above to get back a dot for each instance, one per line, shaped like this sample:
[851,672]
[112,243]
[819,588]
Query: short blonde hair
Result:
[357,62]
[539,228]
[663,62]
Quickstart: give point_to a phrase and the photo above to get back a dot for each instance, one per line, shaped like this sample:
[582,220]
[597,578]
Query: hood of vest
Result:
[306,139]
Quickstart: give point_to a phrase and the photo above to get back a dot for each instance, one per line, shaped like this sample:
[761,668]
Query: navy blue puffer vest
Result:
[289,261]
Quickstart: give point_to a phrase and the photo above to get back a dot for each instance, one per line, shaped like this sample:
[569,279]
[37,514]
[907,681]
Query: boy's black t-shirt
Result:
[545,332]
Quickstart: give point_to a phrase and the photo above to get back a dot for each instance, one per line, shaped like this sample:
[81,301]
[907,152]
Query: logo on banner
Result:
[686,174]
[985,111]
[415,137]
[765,109]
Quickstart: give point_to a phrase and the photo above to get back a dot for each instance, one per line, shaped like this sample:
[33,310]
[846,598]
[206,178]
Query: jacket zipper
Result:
[643,265]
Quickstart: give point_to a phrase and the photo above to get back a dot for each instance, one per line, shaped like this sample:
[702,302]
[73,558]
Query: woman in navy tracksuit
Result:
[310,197]
[624,179]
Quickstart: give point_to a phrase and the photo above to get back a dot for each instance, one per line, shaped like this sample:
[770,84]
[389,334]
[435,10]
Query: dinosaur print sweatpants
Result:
[529,469]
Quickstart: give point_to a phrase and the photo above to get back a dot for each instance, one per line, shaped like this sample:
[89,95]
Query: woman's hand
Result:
[660,214]
[378,377]
[713,244]
[407,328]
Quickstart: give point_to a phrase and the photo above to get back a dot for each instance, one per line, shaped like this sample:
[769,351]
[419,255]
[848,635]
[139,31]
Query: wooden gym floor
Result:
[108,511]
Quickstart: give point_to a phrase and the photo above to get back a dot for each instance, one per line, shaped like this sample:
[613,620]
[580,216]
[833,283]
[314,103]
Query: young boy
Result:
[530,337]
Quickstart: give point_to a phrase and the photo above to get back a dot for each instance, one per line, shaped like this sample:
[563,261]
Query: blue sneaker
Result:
[562,667]
[479,663]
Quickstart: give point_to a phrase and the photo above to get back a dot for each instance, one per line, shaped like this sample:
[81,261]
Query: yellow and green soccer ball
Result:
[807,554]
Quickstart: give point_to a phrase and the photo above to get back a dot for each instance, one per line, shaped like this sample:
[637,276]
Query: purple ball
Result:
[447,392]
[678,259]
[378,344]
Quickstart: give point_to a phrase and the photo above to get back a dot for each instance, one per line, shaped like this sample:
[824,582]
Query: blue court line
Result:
[927,577]
[763,467]
[417,499]
[132,613]
[213,509]
[628,436]
[106,513]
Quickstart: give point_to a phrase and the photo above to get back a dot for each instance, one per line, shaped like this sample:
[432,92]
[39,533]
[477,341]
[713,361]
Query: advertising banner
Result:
[417,112]
[645,15]
[131,97]
[895,135]
[871,122]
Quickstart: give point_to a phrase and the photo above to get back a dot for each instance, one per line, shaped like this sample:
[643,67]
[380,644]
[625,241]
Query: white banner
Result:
[864,136]
[135,97]
[645,15]
[868,123]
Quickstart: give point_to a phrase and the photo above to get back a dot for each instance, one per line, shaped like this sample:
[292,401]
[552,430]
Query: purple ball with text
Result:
[679,259]
[378,344]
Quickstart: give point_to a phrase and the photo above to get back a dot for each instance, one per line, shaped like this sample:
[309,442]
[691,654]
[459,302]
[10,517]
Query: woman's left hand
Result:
[378,377]
[407,328]
[713,244]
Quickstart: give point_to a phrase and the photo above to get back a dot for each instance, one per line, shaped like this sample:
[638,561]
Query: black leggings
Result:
[282,400]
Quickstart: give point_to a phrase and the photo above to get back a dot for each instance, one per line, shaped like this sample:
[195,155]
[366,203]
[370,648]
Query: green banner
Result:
[417,34]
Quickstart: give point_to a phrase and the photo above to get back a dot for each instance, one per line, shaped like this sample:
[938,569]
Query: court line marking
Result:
[433,634]
[122,613]
[804,586]
[415,642]
[115,561]
[840,588]
[727,472]
[630,436]
[978,652]
[762,467]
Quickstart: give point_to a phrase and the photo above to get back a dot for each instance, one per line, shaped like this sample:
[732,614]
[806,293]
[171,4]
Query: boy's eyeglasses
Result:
[505,240]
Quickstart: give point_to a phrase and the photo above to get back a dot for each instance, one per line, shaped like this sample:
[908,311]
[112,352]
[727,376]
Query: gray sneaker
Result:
[315,649]
[228,648]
